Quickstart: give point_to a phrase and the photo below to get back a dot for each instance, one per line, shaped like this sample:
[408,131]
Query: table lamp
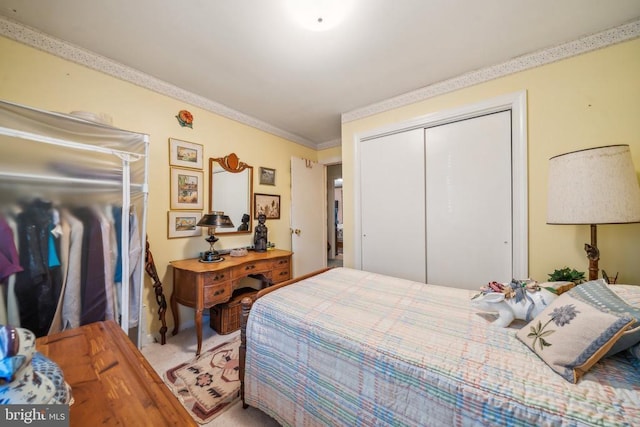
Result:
[213,220]
[593,186]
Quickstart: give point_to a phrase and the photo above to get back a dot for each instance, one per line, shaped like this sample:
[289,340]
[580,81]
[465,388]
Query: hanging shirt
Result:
[54,261]
[72,298]
[9,259]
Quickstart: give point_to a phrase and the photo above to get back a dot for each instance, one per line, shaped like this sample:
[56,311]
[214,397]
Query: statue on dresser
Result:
[245,223]
[260,237]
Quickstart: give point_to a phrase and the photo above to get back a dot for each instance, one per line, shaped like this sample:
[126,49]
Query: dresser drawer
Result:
[281,263]
[215,277]
[215,294]
[254,267]
[280,275]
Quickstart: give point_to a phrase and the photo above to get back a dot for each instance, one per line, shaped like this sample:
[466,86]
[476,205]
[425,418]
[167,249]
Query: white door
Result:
[469,206]
[392,205]
[308,216]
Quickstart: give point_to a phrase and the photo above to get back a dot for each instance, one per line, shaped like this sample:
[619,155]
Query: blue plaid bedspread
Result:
[352,348]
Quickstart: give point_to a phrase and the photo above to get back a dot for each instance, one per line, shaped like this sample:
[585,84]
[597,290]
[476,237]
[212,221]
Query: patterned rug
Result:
[208,384]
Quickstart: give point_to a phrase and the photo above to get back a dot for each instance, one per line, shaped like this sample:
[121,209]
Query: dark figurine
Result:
[260,238]
[593,252]
[245,223]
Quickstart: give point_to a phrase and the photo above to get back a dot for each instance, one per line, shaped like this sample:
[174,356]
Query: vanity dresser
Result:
[202,285]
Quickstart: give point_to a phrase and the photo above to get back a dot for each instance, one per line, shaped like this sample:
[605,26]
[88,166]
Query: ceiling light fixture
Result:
[318,15]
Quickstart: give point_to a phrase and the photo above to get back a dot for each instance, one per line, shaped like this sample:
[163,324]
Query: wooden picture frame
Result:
[185,154]
[187,189]
[267,204]
[267,176]
[183,224]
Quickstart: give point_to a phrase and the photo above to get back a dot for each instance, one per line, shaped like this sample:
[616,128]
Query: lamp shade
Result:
[215,219]
[593,186]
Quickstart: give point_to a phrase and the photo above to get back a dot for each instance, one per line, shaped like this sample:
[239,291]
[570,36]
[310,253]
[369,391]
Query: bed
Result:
[348,347]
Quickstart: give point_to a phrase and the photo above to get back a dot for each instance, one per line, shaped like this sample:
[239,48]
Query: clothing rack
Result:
[69,158]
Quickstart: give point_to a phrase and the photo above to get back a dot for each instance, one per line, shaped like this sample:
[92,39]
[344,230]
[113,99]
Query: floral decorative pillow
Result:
[571,335]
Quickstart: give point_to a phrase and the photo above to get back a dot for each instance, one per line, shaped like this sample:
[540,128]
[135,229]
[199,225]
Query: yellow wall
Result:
[31,77]
[330,155]
[585,101]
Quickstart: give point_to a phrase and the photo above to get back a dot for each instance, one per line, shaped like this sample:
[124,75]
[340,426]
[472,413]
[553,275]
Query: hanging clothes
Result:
[72,297]
[136,265]
[63,231]
[9,266]
[13,312]
[116,213]
[65,273]
[109,257]
[93,297]
[9,259]
[36,284]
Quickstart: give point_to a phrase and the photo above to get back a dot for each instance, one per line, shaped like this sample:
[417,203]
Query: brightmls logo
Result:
[37,415]
[25,416]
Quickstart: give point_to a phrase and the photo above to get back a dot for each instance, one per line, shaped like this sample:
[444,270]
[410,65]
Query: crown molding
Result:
[329,144]
[525,62]
[65,50]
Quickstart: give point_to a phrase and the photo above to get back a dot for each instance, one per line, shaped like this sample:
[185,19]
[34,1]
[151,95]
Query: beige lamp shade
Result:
[593,186]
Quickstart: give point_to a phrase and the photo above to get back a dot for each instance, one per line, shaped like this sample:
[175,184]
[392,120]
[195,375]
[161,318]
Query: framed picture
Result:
[185,154]
[267,176]
[267,204]
[186,189]
[183,224]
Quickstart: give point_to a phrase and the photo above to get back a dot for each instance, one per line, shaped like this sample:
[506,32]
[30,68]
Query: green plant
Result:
[567,275]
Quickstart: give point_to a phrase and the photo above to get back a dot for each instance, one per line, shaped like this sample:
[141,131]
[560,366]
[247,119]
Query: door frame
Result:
[517,103]
[331,225]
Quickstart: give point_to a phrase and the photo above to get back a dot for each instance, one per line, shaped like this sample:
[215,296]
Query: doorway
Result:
[335,249]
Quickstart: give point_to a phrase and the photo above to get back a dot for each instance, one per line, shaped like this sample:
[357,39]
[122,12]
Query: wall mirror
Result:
[230,191]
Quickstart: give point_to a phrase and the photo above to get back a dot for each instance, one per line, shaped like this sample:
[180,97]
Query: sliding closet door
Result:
[468,198]
[392,205]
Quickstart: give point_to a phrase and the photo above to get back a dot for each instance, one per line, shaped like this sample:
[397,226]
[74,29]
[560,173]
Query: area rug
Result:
[208,384]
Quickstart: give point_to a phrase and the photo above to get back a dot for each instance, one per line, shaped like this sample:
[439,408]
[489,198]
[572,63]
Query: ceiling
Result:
[251,57]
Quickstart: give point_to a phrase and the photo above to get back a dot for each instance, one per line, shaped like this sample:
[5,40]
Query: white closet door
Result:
[392,205]
[468,214]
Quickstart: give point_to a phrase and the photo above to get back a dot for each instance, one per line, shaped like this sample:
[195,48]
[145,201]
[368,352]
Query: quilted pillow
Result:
[571,335]
[630,294]
[599,294]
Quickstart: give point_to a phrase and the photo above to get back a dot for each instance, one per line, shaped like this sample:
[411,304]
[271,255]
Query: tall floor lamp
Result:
[593,186]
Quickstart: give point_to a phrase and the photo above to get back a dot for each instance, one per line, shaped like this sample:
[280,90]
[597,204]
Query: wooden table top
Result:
[194,264]
[111,381]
